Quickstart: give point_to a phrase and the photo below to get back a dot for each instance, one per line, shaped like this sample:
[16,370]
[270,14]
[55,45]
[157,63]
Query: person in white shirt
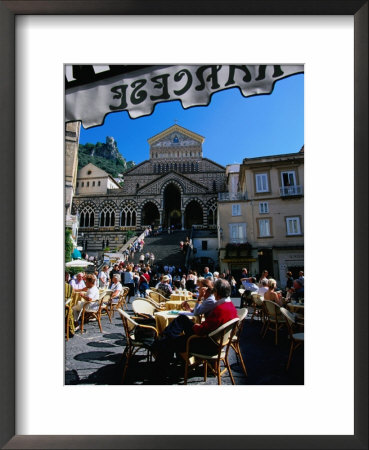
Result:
[91,296]
[116,287]
[263,288]
[104,277]
[77,283]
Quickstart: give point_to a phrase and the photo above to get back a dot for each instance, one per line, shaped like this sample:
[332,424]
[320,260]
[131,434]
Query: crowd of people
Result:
[267,288]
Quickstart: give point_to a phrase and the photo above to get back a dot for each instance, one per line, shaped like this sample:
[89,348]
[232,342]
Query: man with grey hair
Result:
[174,341]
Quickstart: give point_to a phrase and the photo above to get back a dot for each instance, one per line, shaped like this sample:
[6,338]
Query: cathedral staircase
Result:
[165,248]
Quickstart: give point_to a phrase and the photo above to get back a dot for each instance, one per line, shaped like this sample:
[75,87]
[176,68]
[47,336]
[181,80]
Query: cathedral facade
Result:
[176,187]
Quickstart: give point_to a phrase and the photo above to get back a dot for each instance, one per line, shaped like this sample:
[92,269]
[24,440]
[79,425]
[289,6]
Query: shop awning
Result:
[92,92]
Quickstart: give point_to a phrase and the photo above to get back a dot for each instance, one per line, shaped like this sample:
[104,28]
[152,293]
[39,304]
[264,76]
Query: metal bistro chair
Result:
[221,337]
[235,341]
[297,339]
[274,318]
[136,339]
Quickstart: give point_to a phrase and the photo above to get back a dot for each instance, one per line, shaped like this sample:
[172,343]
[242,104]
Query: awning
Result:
[78,263]
[92,92]
[76,254]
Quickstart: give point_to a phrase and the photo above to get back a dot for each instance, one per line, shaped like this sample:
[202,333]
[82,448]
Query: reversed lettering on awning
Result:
[138,92]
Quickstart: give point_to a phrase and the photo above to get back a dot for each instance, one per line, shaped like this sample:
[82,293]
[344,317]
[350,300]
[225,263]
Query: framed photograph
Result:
[36,402]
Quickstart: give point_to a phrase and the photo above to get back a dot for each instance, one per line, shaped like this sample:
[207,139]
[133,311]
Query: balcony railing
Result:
[231,196]
[290,191]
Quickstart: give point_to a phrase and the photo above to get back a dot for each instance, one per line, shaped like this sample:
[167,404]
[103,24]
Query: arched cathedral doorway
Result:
[150,215]
[172,206]
[193,214]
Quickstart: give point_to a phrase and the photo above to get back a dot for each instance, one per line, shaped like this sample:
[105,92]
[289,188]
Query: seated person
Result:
[263,288]
[249,284]
[78,283]
[116,287]
[91,296]
[298,290]
[174,341]
[164,287]
[271,295]
[206,300]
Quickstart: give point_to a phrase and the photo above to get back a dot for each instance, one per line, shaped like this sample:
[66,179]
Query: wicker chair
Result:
[257,304]
[117,302]
[102,305]
[222,337]
[70,301]
[274,318]
[235,341]
[158,306]
[134,343]
[297,339]
[143,308]
[157,297]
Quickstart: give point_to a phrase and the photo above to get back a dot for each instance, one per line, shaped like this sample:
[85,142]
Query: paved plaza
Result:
[96,358]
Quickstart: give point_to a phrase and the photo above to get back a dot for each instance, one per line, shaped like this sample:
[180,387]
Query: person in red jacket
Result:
[173,341]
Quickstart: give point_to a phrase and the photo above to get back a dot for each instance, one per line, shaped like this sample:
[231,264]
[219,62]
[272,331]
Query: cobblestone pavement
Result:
[96,358]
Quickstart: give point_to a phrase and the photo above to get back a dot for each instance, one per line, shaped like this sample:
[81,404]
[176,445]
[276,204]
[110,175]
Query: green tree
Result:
[68,245]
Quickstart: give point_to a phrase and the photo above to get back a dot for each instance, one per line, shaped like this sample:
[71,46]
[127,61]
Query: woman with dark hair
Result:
[190,281]
[129,281]
[143,283]
[206,301]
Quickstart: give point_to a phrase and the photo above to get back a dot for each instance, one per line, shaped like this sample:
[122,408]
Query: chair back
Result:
[143,307]
[273,310]
[290,320]
[242,314]
[257,299]
[222,335]
[128,323]
[157,297]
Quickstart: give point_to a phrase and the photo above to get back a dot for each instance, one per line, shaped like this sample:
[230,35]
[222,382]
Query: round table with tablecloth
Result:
[163,319]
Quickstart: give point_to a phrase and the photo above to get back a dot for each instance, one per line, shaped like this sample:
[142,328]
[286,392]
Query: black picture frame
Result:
[8,10]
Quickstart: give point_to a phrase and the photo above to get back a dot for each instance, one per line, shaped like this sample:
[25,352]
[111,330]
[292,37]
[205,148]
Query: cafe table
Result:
[177,304]
[298,310]
[163,319]
[184,295]
[295,307]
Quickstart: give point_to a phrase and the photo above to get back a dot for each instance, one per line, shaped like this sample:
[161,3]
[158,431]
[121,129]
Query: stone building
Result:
[176,187]
[261,225]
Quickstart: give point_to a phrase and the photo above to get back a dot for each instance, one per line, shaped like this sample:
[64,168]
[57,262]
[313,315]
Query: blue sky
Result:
[234,127]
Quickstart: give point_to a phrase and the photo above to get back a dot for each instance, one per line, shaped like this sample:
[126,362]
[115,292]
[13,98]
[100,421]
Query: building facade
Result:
[261,226]
[176,187]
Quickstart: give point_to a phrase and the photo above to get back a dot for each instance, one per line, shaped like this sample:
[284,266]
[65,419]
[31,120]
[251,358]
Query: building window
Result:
[82,184]
[288,178]
[87,216]
[107,216]
[237,233]
[99,183]
[293,226]
[263,207]
[236,209]
[88,184]
[264,227]
[77,184]
[261,182]
[93,183]
[204,245]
